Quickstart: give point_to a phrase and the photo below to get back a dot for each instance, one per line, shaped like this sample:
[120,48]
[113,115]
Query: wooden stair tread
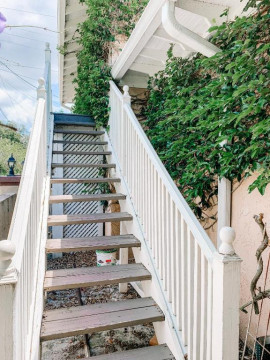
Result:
[92,276]
[159,352]
[76,142]
[91,243]
[67,152]
[83,132]
[58,220]
[85,165]
[55,199]
[85,180]
[86,319]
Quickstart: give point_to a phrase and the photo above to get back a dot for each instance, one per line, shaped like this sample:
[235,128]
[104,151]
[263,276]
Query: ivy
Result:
[98,34]
[196,104]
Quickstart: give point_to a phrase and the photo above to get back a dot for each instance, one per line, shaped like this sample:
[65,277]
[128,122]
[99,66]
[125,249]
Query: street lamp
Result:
[11,165]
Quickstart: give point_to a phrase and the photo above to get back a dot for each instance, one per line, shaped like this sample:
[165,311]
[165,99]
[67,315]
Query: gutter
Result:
[184,35]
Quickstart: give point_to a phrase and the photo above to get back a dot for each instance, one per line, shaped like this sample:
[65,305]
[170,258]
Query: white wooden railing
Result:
[196,286]
[22,256]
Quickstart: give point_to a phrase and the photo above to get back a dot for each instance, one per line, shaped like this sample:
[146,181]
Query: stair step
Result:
[99,180]
[82,152]
[91,276]
[56,199]
[160,352]
[82,132]
[80,142]
[91,243]
[87,319]
[105,166]
[58,220]
[61,119]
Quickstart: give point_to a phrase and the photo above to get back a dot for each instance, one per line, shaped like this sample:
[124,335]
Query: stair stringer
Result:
[167,331]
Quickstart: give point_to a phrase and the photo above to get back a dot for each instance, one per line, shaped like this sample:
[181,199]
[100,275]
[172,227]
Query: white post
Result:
[48,77]
[41,91]
[226,297]
[224,205]
[8,279]
[126,96]
[123,254]
[224,202]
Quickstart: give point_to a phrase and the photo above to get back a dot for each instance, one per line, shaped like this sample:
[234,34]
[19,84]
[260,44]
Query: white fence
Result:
[22,256]
[201,286]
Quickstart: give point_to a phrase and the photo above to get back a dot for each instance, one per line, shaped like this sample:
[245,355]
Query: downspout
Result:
[184,35]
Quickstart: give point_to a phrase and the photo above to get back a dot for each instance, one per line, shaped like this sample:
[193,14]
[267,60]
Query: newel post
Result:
[226,297]
[41,90]
[8,279]
[126,96]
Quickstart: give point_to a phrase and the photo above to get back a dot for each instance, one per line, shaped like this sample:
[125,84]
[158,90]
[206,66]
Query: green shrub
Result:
[106,19]
[196,104]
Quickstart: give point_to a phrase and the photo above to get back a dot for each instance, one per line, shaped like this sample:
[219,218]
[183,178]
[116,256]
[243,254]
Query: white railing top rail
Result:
[199,233]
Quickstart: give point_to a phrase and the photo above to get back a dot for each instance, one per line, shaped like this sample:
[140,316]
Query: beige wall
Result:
[7,204]
[248,239]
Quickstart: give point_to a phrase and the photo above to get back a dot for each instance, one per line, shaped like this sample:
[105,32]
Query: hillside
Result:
[12,140]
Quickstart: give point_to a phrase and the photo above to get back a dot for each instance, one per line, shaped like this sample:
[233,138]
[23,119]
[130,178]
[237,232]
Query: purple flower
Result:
[3,21]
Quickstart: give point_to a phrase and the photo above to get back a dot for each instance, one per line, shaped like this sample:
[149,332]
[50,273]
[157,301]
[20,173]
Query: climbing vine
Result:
[197,104]
[106,22]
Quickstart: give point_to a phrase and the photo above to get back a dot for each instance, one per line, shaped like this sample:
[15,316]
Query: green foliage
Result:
[12,142]
[196,104]
[106,21]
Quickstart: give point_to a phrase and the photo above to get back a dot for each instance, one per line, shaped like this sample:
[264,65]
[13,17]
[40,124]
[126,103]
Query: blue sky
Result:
[22,52]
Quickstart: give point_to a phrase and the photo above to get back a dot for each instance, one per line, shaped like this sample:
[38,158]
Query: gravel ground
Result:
[100,343]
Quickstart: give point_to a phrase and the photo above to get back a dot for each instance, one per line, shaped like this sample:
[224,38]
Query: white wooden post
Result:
[8,279]
[224,202]
[226,296]
[123,254]
[48,77]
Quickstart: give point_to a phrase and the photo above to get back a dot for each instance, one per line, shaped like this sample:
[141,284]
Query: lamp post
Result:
[11,165]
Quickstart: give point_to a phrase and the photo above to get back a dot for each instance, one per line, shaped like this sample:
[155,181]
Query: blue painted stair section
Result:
[73,119]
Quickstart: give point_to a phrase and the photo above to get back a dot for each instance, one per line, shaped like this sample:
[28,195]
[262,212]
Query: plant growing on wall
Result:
[106,20]
[195,104]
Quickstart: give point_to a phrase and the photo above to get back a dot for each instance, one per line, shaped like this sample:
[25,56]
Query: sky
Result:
[22,53]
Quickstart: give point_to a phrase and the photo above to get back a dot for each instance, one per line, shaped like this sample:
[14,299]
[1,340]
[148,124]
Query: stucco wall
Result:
[7,204]
[248,238]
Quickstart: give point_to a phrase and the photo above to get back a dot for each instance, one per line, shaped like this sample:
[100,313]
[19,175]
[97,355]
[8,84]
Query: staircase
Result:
[187,287]
[88,319]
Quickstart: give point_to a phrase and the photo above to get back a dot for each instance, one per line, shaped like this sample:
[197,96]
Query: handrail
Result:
[26,229]
[193,223]
[198,285]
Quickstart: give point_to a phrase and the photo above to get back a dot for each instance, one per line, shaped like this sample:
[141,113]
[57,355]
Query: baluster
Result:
[162,219]
[209,312]
[172,252]
[160,226]
[190,312]
[197,303]
[177,259]
[204,286]
[155,213]
[184,280]
[170,227]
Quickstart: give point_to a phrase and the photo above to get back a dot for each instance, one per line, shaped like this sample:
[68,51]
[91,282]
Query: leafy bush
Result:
[106,20]
[196,104]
